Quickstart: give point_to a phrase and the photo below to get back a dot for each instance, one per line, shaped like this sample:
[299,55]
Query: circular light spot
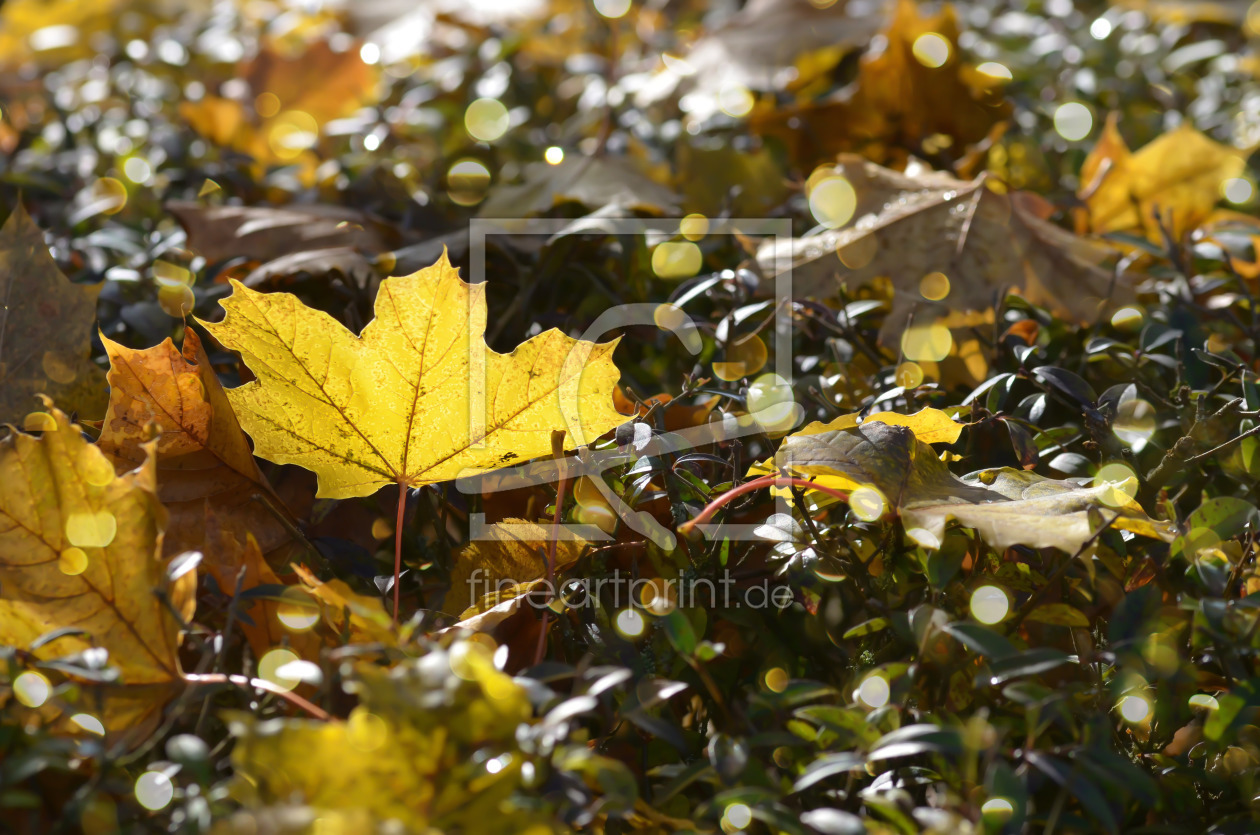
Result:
[138,170]
[486,119]
[1128,319]
[176,302]
[669,317]
[859,253]
[467,181]
[371,142]
[1119,483]
[693,227]
[1237,190]
[382,528]
[267,104]
[91,530]
[154,790]
[924,538]
[997,807]
[934,286]
[874,691]
[735,101]
[58,367]
[1134,709]
[291,133]
[927,343]
[867,503]
[989,604]
[931,50]
[110,194]
[601,516]
[771,404]
[370,53]
[554,155]
[31,688]
[269,668]
[365,730]
[612,9]
[777,679]
[909,375]
[1100,28]
[746,356]
[1204,701]
[1135,423]
[89,723]
[297,612]
[73,561]
[736,817]
[171,275]
[833,201]
[630,623]
[673,260]
[1073,121]
[995,70]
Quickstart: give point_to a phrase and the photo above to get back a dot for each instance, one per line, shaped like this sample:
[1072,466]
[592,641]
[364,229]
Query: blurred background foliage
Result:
[317,147]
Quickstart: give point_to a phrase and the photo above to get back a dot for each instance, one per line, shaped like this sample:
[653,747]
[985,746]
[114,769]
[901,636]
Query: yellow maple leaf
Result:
[1175,179]
[202,454]
[395,405]
[82,547]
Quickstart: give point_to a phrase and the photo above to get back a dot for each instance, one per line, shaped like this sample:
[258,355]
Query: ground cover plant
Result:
[602,416]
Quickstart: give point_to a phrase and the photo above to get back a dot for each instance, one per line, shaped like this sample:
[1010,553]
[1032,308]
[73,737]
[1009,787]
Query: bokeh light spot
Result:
[72,561]
[554,155]
[269,668]
[931,50]
[776,679]
[467,181]
[867,503]
[989,604]
[1134,709]
[630,623]
[94,529]
[1135,423]
[674,260]
[927,343]
[486,119]
[31,688]
[909,375]
[833,201]
[934,286]
[874,691]
[154,790]
[1073,121]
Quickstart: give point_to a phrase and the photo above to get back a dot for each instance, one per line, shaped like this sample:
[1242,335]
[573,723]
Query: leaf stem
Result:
[751,486]
[398,530]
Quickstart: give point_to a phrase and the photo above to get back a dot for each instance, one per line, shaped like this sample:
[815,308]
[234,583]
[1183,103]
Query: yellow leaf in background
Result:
[1176,178]
[917,96]
[514,554]
[81,547]
[404,755]
[346,612]
[897,473]
[295,95]
[395,405]
[45,329]
[203,457]
[231,558]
